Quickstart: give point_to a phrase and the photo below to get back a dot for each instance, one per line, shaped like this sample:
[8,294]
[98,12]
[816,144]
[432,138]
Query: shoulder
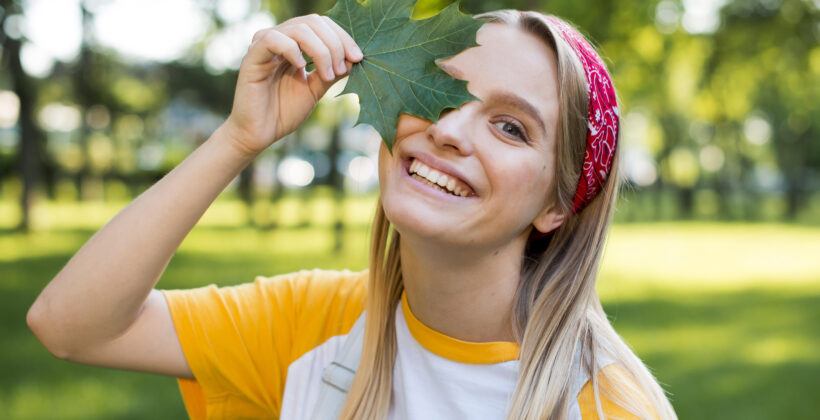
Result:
[288,293]
[613,382]
[316,280]
[301,309]
[322,303]
[317,289]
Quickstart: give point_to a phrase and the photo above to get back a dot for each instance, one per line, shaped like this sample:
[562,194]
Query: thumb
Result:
[319,87]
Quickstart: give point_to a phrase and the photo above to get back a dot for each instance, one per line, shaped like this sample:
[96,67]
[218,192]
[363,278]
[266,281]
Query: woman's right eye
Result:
[512,129]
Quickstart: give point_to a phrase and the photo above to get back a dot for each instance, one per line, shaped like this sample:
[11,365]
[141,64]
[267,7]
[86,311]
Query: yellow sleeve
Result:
[586,399]
[239,340]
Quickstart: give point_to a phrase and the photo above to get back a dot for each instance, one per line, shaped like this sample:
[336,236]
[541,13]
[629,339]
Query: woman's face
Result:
[500,150]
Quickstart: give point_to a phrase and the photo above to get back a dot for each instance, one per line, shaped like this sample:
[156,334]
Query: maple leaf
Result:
[398,72]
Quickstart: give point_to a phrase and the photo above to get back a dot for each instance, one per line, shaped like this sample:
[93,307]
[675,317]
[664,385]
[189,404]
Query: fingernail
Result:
[329,73]
[358,53]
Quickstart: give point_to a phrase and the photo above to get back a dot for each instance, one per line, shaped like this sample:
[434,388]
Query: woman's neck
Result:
[467,295]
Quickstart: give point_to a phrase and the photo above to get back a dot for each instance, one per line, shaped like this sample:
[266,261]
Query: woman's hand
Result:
[274,93]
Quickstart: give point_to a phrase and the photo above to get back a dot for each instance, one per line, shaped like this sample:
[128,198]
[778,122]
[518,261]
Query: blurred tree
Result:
[764,91]
[31,156]
[729,108]
[86,89]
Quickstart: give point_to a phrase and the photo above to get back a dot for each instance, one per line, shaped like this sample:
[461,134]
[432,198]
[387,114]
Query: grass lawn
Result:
[726,315]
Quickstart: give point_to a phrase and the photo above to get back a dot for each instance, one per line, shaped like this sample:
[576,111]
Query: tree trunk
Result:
[686,198]
[337,183]
[246,191]
[30,159]
[793,199]
[83,95]
[722,191]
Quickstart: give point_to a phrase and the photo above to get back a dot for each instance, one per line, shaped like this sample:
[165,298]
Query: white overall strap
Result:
[338,375]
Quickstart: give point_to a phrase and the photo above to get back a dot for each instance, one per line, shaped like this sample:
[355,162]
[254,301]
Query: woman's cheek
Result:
[530,181]
[409,124]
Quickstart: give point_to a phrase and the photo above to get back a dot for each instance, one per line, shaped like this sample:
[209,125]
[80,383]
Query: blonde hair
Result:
[556,312]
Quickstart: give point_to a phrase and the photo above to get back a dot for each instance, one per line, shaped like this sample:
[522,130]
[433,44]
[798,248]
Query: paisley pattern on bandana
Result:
[603,119]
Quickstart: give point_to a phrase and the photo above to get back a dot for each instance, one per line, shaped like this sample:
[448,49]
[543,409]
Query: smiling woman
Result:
[479,302]
[514,261]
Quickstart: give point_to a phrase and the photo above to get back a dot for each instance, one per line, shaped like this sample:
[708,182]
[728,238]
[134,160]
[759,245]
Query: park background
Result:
[711,272]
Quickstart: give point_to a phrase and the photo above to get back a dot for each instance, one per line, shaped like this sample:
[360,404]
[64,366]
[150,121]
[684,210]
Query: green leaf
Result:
[398,73]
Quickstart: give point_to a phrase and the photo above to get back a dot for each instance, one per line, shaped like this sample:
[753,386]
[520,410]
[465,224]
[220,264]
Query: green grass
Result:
[726,315]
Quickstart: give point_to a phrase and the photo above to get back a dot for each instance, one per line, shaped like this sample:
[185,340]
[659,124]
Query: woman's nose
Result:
[452,129]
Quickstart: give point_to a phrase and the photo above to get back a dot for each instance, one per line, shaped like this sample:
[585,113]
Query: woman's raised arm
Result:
[101,309]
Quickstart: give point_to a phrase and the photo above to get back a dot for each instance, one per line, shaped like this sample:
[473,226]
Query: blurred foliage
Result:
[715,96]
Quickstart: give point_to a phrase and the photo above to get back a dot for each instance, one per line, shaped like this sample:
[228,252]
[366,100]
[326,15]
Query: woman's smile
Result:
[425,186]
[433,176]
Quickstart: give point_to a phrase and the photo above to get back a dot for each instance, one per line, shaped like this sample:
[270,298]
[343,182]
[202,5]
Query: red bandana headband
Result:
[603,117]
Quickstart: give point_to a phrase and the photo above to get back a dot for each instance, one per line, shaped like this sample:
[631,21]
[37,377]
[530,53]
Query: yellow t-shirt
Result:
[257,350]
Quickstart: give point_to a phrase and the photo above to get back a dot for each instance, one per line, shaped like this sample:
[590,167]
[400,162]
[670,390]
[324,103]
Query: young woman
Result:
[480,299]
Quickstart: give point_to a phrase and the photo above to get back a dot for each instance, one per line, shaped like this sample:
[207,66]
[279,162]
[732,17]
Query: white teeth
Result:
[423,170]
[435,178]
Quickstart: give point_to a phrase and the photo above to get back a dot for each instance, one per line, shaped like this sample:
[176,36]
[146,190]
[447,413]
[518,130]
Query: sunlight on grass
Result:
[39,244]
[9,213]
[82,398]
[224,212]
[260,243]
[772,351]
[719,312]
[698,256]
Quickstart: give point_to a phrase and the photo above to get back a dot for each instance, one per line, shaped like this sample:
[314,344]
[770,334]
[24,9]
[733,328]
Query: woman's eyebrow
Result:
[503,97]
[511,99]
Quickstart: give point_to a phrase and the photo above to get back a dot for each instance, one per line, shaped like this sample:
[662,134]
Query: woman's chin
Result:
[418,220]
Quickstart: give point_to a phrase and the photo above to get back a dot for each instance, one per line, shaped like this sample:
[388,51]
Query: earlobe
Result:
[549,219]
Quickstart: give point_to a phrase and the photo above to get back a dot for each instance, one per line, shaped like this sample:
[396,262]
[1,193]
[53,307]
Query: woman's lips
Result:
[439,165]
[438,178]
[425,188]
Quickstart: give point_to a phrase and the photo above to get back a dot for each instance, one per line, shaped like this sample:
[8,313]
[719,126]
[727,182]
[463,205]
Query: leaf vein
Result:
[386,70]
[402,98]
[420,44]
[375,31]
[350,20]
[373,89]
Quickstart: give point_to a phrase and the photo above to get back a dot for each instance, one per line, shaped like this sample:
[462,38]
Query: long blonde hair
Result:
[556,311]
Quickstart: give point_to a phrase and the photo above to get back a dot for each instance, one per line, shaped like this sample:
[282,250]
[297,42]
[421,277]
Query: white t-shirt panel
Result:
[426,386]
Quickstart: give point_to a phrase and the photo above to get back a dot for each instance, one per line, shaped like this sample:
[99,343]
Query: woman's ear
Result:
[549,219]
